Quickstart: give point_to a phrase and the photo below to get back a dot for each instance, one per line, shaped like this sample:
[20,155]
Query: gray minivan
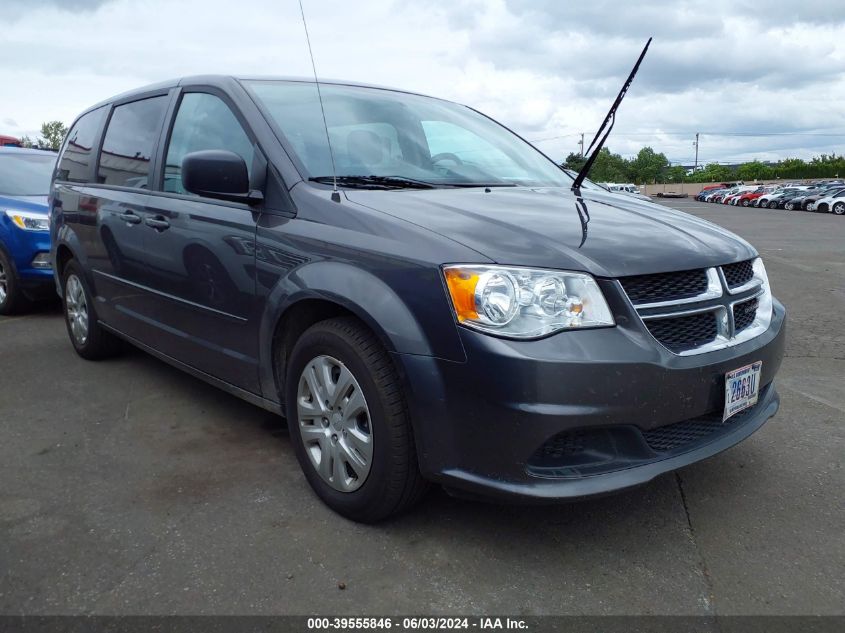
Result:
[420,292]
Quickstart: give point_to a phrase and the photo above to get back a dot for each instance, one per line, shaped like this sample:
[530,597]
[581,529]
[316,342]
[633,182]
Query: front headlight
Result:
[29,221]
[764,301]
[524,302]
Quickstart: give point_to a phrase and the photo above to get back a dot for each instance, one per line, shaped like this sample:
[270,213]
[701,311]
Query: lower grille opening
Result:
[683,333]
[668,438]
[591,451]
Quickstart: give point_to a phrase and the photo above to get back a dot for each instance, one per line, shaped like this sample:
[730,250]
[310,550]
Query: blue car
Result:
[26,273]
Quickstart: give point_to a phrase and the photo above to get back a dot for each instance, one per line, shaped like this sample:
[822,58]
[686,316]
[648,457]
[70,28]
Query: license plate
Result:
[742,387]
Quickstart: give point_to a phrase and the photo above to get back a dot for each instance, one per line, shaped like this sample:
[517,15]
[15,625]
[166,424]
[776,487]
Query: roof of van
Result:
[223,80]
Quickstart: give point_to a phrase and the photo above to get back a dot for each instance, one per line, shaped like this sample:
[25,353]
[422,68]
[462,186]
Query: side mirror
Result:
[220,174]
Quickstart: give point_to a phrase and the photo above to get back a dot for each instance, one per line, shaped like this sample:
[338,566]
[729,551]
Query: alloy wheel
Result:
[839,208]
[4,284]
[334,423]
[77,309]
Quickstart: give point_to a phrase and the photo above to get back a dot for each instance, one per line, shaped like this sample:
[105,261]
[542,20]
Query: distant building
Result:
[9,141]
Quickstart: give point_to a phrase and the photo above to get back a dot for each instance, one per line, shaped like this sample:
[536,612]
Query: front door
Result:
[200,254]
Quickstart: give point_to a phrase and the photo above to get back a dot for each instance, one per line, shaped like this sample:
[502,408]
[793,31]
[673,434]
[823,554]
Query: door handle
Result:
[159,224]
[130,218]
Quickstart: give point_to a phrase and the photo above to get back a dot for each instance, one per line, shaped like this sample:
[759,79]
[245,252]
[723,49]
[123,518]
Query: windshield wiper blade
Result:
[376,182]
[595,147]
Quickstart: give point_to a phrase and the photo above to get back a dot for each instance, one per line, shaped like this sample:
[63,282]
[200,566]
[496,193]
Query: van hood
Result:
[542,227]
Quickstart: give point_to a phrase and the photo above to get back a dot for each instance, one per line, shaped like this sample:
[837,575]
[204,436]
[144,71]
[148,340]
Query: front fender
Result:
[410,319]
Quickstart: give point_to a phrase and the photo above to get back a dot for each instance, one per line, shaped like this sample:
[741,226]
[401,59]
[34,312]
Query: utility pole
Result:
[695,169]
[581,143]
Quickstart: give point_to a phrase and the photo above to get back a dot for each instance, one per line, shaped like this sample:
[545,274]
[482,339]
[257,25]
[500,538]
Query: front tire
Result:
[12,298]
[349,423]
[90,340]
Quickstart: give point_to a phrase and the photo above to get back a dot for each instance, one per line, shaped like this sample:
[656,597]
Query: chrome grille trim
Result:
[754,283]
[719,299]
[714,290]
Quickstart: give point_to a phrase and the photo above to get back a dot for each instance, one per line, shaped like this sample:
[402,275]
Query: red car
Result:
[749,196]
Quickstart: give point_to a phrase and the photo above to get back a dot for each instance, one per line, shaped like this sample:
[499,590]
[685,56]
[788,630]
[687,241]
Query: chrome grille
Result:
[665,286]
[744,314]
[700,310]
[683,333]
[739,274]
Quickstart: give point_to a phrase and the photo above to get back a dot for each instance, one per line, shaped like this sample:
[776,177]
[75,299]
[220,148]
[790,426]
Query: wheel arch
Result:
[62,257]
[324,290]
[65,247]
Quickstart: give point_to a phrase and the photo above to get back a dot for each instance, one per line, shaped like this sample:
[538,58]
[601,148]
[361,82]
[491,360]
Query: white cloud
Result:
[542,67]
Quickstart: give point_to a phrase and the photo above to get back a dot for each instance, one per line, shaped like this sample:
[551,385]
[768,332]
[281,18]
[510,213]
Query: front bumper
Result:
[23,247]
[484,426]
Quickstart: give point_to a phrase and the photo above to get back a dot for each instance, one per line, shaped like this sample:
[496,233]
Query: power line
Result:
[693,133]
[552,138]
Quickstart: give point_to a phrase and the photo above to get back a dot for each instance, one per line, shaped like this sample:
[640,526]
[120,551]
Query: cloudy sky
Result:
[759,79]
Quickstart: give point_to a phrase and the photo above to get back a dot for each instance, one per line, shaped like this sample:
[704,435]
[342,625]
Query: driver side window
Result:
[204,121]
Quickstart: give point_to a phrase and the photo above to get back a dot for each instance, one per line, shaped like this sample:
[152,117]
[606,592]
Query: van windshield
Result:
[387,134]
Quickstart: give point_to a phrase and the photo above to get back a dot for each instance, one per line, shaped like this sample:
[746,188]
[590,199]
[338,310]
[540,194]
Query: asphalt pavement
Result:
[127,487]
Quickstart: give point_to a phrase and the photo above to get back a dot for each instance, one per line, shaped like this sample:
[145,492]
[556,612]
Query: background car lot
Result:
[130,487]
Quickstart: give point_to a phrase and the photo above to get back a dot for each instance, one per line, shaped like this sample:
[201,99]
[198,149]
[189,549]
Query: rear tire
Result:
[90,340]
[839,208]
[371,471]
[12,298]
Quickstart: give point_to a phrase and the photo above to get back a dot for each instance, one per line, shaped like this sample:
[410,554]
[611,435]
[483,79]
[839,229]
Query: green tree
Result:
[676,174]
[715,173]
[574,161]
[755,170]
[610,167]
[52,134]
[791,168]
[649,166]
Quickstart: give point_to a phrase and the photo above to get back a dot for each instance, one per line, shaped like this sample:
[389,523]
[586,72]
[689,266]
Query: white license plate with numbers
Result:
[742,388]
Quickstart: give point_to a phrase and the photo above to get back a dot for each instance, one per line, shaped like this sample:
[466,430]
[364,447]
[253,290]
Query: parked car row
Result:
[823,197]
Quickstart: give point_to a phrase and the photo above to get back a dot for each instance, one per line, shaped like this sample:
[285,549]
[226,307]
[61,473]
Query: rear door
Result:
[115,243]
[200,252]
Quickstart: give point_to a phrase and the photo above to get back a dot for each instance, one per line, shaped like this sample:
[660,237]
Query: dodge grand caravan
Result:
[451,311]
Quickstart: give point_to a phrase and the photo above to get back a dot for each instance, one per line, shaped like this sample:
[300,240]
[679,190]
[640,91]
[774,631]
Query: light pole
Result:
[695,142]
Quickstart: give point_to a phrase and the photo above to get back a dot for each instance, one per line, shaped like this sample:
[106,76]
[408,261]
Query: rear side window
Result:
[75,163]
[204,121]
[129,141]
